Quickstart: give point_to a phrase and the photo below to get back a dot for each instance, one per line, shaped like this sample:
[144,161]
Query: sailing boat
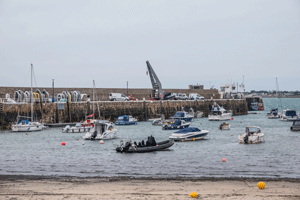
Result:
[23,124]
[273,114]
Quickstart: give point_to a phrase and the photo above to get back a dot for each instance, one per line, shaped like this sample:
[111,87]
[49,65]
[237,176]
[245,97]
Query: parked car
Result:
[195,96]
[118,97]
[180,96]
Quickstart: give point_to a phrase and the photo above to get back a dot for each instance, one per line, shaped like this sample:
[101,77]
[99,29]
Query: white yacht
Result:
[252,135]
[102,130]
[23,124]
[289,115]
[189,134]
[218,113]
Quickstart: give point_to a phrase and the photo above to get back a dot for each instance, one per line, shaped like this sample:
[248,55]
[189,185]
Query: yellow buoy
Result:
[261,185]
[193,194]
[194,139]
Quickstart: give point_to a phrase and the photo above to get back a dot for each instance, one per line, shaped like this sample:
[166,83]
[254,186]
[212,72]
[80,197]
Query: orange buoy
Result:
[63,143]
[77,138]
[231,118]
[224,160]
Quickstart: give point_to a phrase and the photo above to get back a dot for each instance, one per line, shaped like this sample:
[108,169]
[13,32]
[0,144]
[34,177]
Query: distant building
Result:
[227,91]
[197,87]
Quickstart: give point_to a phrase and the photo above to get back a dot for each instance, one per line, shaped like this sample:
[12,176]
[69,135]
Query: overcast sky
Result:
[210,42]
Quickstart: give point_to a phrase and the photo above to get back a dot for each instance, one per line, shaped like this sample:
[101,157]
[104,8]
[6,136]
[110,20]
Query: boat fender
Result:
[246,139]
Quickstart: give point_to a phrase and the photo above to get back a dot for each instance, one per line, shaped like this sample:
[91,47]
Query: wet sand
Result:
[48,188]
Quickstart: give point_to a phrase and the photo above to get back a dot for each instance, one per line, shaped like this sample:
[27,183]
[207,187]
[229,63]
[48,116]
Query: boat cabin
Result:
[290,113]
[102,125]
[22,121]
[250,130]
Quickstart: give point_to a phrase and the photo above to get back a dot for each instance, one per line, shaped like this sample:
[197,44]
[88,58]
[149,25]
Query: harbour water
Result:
[41,153]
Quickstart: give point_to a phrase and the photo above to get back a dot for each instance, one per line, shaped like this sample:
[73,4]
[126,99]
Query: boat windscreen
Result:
[297,123]
[252,130]
[120,118]
[179,114]
[291,113]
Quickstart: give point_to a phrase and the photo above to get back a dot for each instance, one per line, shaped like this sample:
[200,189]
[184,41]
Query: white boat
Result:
[189,134]
[78,128]
[252,135]
[182,115]
[224,126]
[102,130]
[273,114]
[23,124]
[218,113]
[289,115]
[126,120]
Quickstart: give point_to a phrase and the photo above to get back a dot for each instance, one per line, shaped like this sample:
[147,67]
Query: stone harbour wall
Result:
[142,110]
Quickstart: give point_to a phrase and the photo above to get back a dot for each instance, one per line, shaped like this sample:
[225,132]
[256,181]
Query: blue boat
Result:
[189,134]
[126,120]
[182,115]
[176,124]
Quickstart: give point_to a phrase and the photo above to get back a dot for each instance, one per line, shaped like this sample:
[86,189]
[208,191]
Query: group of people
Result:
[150,142]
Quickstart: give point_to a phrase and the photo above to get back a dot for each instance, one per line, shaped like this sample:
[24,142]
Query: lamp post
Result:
[53,90]
[127,88]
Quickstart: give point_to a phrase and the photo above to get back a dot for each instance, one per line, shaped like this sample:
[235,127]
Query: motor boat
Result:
[127,146]
[218,113]
[182,115]
[273,114]
[296,125]
[102,130]
[189,134]
[126,120]
[23,125]
[175,124]
[289,115]
[224,126]
[158,122]
[78,128]
[252,135]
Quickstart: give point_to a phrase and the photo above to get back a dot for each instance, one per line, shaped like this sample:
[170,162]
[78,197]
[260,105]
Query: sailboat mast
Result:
[94,98]
[31,95]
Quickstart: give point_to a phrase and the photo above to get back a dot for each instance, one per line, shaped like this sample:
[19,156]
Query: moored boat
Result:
[126,120]
[127,146]
[224,126]
[175,124]
[189,134]
[218,113]
[182,115]
[289,115]
[23,125]
[296,125]
[252,135]
[273,114]
[102,130]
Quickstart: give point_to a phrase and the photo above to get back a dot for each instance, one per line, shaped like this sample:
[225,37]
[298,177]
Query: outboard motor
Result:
[94,135]
[66,129]
[246,139]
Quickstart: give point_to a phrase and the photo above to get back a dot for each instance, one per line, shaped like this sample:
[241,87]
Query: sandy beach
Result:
[48,188]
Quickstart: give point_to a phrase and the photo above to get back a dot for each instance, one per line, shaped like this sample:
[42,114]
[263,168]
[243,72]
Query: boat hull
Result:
[125,123]
[23,128]
[77,129]
[255,139]
[108,135]
[188,136]
[160,146]
[222,117]
[187,119]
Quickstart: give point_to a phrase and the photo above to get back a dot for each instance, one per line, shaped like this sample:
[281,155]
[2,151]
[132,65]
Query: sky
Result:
[209,42]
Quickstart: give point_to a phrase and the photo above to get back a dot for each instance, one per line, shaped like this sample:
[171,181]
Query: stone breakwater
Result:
[142,110]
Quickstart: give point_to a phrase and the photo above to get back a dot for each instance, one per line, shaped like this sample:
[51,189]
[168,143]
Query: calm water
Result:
[41,153]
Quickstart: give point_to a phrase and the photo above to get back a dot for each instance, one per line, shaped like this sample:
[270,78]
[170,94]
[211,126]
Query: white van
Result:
[195,96]
[118,97]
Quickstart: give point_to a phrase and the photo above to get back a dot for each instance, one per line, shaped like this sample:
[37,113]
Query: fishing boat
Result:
[296,125]
[126,120]
[289,115]
[218,113]
[182,115]
[224,126]
[252,135]
[102,130]
[22,123]
[175,124]
[127,146]
[189,134]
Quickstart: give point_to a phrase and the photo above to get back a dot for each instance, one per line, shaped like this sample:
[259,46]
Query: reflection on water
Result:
[41,153]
